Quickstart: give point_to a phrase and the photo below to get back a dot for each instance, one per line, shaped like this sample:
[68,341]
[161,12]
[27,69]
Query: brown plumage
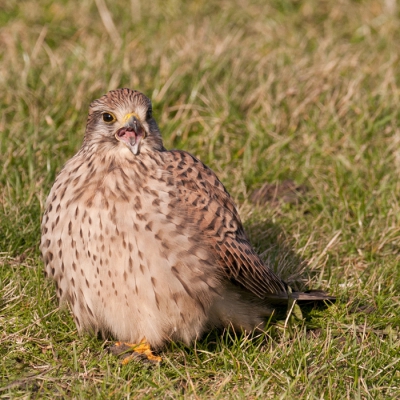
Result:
[147,243]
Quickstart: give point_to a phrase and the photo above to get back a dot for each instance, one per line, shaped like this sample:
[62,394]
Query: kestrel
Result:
[146,244]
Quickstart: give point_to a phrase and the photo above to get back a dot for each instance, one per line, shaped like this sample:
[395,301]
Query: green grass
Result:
[307,91]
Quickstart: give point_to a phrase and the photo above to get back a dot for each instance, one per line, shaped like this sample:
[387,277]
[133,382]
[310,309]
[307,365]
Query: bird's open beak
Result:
[132,133]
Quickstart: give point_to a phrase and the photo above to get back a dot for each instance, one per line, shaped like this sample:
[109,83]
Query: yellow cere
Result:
[127,116]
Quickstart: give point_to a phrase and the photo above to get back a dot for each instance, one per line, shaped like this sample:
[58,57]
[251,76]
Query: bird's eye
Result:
[108,117]
[149,113]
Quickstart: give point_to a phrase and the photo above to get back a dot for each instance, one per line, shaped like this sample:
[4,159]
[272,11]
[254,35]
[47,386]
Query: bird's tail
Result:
[312,296]
[302,298]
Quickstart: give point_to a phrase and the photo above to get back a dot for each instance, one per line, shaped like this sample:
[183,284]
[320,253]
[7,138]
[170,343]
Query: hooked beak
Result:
[132,133]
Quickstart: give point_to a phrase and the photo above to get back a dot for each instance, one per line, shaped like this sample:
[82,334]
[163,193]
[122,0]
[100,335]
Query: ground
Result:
[292,94]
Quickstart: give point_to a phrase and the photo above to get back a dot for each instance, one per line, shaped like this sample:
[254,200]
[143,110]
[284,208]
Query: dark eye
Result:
[107,117]
[149,113]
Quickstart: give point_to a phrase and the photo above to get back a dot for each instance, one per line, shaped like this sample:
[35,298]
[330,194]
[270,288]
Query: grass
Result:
[307,91]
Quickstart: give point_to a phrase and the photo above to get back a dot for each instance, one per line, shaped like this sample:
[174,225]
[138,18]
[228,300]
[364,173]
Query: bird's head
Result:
[123,117]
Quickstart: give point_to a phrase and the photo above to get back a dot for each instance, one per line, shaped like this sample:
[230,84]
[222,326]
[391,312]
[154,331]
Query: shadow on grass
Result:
[274,247]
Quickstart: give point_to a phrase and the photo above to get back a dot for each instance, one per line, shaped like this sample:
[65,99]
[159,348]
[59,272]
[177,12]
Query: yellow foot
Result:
[131,351]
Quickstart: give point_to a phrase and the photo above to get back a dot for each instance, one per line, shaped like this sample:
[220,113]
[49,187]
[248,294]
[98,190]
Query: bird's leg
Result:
[132,351]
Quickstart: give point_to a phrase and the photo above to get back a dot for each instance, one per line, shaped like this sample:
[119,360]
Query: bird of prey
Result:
[146,244]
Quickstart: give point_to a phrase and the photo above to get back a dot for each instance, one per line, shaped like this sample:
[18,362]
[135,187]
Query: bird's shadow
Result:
[274,247]
[219,341]
[270,241]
